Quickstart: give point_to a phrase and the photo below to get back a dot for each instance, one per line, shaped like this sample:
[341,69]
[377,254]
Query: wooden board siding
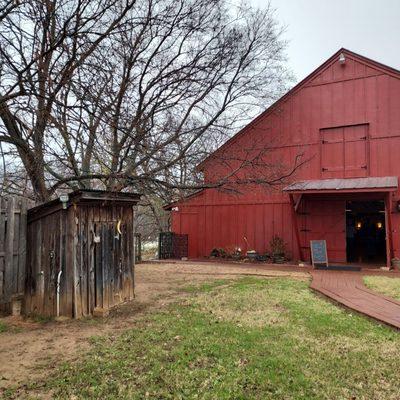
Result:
[97,262]
[13,215]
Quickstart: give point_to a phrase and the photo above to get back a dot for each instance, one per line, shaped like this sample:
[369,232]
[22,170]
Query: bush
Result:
[218,252]
[277,246]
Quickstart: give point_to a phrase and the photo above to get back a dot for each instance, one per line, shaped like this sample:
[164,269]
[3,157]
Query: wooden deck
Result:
[348,289]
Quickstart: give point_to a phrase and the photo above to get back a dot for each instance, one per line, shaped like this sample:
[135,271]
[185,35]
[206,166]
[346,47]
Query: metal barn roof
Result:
[352,184]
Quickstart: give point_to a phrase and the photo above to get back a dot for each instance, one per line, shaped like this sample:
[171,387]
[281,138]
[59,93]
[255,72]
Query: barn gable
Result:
[335,71]
[331,71]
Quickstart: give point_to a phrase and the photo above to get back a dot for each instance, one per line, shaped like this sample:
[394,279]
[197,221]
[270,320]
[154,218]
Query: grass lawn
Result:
[387,286]
[246,339]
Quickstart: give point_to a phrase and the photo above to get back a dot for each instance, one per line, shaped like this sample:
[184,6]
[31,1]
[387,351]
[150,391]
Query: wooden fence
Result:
[13,222]
[172,245]
[138,248]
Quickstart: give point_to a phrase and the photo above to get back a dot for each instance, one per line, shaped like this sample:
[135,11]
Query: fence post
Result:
[22,246]
[138,248]
[2,217]
[9,276]
[13,229]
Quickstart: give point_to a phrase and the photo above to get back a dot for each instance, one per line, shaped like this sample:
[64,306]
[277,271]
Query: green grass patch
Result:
[246,339]
[3,327]
[383,284]
[205,287]
[41,319]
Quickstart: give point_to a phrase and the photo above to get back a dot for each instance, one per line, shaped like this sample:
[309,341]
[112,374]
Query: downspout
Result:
[388,226]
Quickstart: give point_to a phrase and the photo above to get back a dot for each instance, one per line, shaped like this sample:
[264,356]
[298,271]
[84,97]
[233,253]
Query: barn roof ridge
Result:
[374,64]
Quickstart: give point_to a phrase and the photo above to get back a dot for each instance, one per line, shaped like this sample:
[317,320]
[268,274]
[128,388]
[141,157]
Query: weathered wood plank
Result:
[76,264]
[91,265]
[132,252]
[22,246]
[98,265]
[70,262]
[38,273]
[2,250]
[9,276]
[102,263]
[84,260]
[64,306]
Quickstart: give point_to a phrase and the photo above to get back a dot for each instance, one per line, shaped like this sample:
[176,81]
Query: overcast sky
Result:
[318,28]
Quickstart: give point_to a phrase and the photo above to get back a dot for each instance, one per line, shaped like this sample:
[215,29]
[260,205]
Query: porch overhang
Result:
[383,186]
[344,185]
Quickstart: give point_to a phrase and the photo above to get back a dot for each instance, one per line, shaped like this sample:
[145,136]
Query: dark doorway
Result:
[365,231]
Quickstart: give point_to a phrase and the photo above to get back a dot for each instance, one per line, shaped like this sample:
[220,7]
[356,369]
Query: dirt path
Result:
[30,349]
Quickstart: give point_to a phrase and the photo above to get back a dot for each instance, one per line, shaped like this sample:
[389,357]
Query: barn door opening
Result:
[365,232]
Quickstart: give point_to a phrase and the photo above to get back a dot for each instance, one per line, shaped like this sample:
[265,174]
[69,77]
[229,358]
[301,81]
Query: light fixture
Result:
[342,58]
[358,225]
[379,225]
[64,200]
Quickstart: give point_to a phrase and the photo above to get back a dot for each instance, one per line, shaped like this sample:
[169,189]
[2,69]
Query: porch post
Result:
[295,226]
[389,233]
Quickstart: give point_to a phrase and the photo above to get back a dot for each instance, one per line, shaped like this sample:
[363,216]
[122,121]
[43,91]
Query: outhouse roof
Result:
[85,196]
[384,183]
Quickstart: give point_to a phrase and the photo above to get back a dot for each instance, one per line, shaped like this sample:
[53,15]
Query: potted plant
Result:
[396,263]
[218,252]
[237,253]
[263,257]
[278,249]
[252,255]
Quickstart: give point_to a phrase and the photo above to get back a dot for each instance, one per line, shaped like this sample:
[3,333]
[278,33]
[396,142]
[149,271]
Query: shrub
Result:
[218,252]
[277,246]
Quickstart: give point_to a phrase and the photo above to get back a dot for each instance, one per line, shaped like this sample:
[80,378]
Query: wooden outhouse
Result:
[80,253]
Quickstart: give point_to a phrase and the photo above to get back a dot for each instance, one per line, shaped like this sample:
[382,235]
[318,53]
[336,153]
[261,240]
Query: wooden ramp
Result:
[348,289]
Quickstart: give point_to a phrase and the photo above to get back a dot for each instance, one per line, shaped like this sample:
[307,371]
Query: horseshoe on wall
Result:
[119,227]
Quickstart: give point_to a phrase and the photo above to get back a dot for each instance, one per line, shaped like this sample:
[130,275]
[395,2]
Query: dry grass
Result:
[254,309]
[383,284]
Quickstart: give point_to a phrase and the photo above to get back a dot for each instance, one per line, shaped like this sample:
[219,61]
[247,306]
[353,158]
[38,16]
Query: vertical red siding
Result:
[353,100]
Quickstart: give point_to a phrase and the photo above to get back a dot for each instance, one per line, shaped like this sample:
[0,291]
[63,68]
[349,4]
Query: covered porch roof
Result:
[383,186]
[344,185]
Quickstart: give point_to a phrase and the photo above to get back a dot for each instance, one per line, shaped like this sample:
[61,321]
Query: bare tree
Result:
[120,94]
[42,45]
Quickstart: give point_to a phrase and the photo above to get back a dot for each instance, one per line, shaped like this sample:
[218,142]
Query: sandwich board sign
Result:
[319,254]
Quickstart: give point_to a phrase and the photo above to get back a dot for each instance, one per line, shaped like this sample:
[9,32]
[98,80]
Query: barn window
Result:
[344,151]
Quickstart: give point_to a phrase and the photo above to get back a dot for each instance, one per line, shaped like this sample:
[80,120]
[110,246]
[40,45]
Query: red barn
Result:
[343,120]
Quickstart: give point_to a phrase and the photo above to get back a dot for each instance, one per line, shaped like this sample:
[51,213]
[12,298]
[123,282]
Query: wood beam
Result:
[389,232]
[296,206]
[296,227]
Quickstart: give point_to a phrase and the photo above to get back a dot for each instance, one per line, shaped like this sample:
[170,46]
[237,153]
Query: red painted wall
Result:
[344,119]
